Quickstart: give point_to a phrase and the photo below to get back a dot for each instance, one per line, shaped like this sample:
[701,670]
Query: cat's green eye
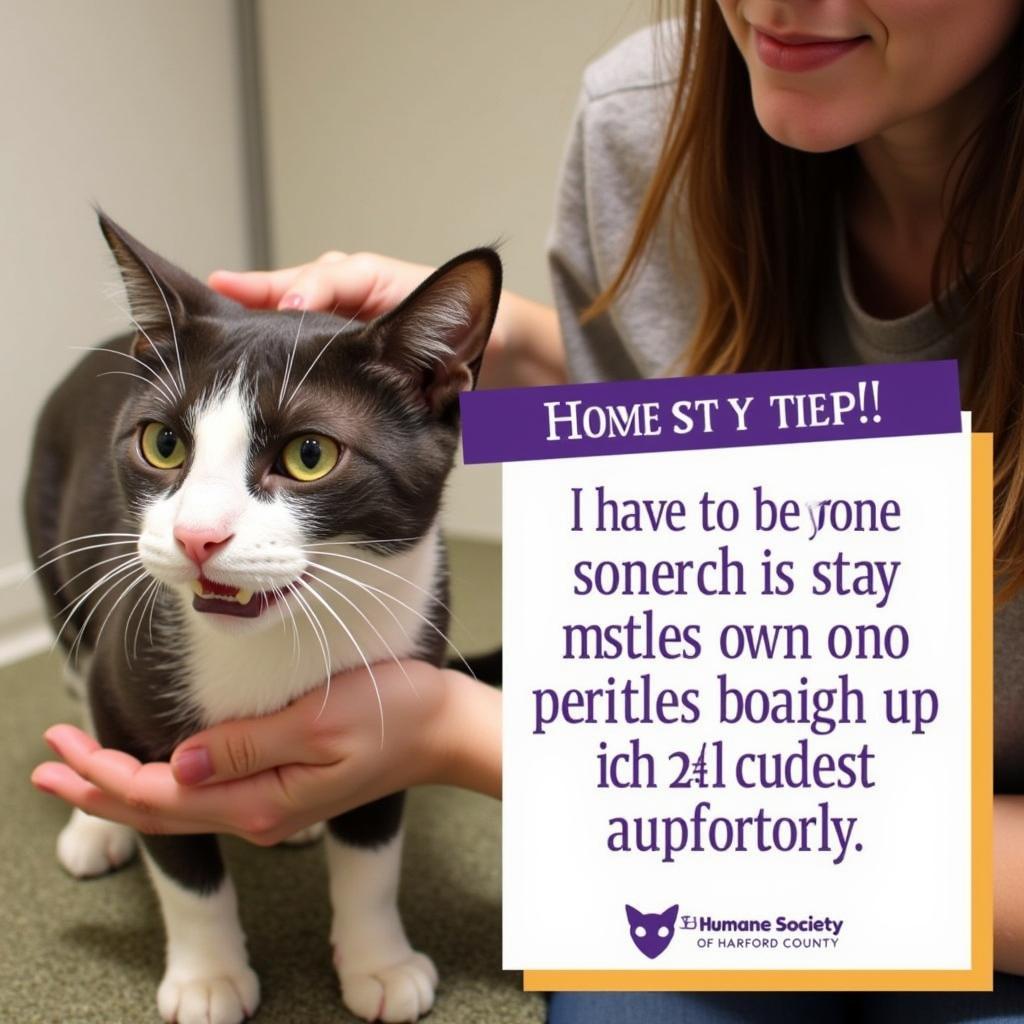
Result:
[309,457]
[161,447]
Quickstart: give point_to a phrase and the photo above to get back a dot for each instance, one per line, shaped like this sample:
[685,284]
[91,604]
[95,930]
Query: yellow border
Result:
[979,976]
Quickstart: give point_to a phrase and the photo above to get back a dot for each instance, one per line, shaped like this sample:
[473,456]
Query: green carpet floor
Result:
[74,952]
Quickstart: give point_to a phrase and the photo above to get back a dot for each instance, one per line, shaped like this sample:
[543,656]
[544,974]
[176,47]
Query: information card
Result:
[747,681]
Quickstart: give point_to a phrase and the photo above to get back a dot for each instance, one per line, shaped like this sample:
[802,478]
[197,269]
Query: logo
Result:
[651,933]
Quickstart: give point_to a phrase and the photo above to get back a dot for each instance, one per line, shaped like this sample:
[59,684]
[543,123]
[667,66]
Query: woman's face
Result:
[829,73]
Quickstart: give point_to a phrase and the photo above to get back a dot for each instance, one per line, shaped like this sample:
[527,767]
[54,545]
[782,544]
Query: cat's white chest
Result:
[354,608]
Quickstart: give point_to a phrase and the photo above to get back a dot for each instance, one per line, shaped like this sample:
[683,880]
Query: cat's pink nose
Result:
[200,543]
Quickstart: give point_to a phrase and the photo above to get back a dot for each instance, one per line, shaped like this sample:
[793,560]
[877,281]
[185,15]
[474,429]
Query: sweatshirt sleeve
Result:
[594,351]
[616,135]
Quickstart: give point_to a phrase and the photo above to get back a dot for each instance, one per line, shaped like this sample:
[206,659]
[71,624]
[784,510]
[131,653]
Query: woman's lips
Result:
[802,53]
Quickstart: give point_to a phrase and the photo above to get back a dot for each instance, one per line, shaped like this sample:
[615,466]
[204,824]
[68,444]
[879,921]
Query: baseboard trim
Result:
[25,643]
[24,630]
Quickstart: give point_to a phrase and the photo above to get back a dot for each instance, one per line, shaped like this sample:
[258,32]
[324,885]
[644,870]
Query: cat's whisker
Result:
[89,568]
[75,602]
[139,604]
[363,543]
[77,551]
[290,360]
[326,345]
[130,585]
[137,376]
[152,343]
[397,576]
[377,632]
[147,607]
[84,536]
[355,643]
[278,594]
[321,637]
[318,630]
[370,593]
[152,607]
[170,319]
[114,578]
[282,598]
[296,653]
[370,587]
[127,355]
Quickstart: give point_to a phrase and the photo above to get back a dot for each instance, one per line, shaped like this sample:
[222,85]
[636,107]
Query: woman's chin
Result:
[808,124]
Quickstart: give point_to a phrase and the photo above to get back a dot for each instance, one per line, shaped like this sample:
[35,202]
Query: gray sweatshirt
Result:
[614,143]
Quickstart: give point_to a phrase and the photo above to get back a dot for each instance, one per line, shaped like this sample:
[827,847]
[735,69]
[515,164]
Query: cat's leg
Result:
[88,846]
[382,977]
[207,978]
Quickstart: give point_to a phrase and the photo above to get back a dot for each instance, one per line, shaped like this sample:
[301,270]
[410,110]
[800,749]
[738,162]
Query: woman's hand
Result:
[525,348]
[362,285]
[266,778]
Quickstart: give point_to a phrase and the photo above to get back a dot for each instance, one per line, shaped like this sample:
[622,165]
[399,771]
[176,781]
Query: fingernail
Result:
[192,766]
[293,301]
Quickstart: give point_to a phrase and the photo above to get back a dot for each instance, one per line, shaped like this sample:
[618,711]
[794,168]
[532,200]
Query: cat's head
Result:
[251,435]
[651,933]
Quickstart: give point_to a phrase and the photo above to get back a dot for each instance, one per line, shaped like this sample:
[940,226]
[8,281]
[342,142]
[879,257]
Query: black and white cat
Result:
[212,477]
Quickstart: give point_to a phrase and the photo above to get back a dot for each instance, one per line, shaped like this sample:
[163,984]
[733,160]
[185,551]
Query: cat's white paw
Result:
[305,836]
[89,846]
[402,991]
[221,996]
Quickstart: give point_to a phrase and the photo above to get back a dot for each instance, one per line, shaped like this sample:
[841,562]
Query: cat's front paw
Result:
[89,846]
[402,991]
[218,996]
[305,836]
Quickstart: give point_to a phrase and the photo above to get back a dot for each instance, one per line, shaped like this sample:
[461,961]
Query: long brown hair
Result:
[761,214]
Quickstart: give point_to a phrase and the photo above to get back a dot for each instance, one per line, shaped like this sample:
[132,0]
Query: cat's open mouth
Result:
[222,599]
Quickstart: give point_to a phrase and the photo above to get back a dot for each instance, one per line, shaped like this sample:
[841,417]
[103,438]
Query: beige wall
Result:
[133,104]
[420,128]
[414,127]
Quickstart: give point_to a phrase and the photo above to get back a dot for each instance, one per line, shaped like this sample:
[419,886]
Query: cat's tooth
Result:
[197,587]
[243,596]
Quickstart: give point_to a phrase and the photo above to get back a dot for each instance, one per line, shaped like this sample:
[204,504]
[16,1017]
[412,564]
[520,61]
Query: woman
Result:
[821,183]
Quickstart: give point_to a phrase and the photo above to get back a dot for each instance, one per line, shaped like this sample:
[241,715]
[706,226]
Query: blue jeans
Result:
[1005,1005]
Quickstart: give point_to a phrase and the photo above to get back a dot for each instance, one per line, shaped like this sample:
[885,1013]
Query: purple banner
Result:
[682,413]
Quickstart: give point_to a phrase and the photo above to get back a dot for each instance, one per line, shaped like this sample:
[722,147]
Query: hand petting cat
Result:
[361,285]
[265,779]
[525,348]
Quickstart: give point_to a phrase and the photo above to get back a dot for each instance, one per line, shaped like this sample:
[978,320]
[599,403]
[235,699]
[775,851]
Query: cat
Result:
[651,933]
[201,481]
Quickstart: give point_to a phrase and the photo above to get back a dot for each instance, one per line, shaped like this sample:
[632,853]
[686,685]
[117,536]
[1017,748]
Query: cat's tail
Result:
[486,667]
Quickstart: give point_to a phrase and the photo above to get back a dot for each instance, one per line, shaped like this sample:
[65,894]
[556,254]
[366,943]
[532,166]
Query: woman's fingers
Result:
[257,289]
[361,285]
[335,281]
[62,781]
[148,797]
[236,750]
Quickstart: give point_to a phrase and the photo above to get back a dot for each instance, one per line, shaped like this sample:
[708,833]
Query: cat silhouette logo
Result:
[651,933]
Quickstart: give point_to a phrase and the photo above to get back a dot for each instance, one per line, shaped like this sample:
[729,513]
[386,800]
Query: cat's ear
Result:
[437,336]
[669,916]
[160,295]
[634,915]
